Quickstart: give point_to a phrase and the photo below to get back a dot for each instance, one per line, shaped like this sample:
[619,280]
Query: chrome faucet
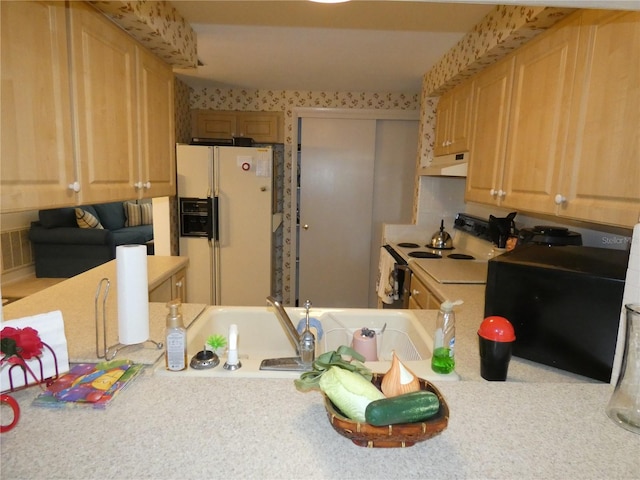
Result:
[304,343]
[286,323]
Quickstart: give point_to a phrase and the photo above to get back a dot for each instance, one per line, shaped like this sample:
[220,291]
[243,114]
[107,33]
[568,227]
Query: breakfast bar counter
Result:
[540,423]
[186,428]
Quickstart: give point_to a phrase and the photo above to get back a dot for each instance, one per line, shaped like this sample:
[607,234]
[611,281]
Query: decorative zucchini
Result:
[407,408]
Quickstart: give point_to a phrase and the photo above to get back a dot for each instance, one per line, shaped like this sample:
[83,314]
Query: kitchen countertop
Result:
[75,298]
[541,422]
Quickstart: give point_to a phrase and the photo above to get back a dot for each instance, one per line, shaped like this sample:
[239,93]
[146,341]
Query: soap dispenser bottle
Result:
[443,359]
[176,339]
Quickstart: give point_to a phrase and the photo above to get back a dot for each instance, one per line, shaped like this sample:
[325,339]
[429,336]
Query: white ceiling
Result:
[360,46]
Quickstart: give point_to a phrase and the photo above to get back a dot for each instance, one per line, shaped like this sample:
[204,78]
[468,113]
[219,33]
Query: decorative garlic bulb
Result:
[399,379]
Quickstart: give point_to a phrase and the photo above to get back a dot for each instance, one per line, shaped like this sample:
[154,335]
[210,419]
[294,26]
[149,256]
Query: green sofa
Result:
[62,249]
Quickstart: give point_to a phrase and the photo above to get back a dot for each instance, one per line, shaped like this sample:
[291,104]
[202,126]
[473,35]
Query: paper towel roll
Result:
[133,294]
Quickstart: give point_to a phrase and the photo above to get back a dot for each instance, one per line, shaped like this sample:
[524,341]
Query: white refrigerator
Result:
[225,198]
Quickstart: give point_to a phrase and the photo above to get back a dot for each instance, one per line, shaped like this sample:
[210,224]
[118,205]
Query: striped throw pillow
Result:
[85,220]
[138,214]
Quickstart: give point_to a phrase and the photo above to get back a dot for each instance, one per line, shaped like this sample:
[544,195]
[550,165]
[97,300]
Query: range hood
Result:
[453,165]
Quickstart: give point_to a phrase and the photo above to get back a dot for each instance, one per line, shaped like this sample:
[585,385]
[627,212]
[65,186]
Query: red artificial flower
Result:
[23,343]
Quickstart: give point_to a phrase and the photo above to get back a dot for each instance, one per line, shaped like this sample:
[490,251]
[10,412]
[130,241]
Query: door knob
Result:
[560,199]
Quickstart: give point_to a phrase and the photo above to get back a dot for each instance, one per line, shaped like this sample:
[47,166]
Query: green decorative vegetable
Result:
[407,408]
[310,380]
[216,341]
[349,391]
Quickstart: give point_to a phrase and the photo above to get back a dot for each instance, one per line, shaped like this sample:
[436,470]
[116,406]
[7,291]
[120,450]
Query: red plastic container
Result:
[495,340]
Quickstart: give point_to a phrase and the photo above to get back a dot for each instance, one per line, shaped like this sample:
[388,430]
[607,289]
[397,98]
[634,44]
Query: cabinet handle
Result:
[560,199]
[75,186]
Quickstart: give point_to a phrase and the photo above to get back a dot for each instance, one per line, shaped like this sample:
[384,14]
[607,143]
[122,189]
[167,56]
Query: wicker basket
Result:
[389,436]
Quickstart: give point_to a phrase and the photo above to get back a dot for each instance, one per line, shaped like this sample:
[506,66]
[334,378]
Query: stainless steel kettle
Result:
[441,239]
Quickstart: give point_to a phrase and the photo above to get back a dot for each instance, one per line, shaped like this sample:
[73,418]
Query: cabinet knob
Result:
[75,186]
[502,193]
[137,185]
[305,227]
[147,185]
[415,293]
[179,284]
[560,199]
[493,192]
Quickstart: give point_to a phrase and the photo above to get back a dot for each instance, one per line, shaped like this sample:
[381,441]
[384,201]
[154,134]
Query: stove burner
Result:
[424,255]
[408,245]
[461,256]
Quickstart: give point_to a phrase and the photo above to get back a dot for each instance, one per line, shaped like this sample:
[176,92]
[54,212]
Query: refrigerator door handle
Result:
[210,217]
[216,220]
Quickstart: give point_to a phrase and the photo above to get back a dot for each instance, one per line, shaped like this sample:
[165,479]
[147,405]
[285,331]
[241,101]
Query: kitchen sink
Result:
[260,336]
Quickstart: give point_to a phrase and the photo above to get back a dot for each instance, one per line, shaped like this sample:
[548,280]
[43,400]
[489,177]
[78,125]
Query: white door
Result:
[336,200]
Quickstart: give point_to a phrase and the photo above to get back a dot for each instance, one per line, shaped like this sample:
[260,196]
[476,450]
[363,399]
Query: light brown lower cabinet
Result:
[174,287]
[421,297]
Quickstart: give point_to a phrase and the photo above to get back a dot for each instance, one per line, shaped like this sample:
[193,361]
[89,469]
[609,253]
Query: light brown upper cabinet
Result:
[491,100]
[453,120]
[157,166]
[600,181]
[123,99]
[37,163]
[263,127]
[87,113]
[540,101]
[104,92]
[555,124]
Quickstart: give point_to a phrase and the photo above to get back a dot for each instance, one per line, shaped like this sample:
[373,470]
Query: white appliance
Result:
[225,199]
[452,165]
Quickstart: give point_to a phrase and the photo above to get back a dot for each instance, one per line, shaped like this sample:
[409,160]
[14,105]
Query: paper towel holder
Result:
[108,353]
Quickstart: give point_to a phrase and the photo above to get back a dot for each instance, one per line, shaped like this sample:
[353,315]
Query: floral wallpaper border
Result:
[156,25]
[502,30]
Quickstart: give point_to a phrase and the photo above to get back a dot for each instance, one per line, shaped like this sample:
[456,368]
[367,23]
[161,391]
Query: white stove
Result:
[465,263]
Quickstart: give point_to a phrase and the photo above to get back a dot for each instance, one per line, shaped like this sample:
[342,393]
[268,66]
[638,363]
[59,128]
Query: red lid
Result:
[498,329]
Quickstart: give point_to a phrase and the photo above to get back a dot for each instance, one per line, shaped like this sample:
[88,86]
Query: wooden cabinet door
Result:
[212,124]
[443,120]
[179,285]
[453,120]
[157,175]
[103,79]
[460,120]
[262,127]
[491,102]
[601,181]
[542,86]
[36,135]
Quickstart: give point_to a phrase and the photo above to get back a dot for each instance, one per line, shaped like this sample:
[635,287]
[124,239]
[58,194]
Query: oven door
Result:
[403,277]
